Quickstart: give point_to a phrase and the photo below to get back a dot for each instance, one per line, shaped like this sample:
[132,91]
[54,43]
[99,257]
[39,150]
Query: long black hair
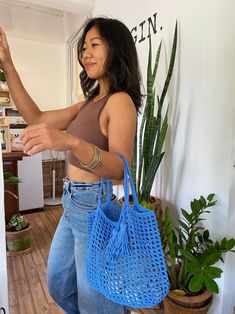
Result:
[122,68]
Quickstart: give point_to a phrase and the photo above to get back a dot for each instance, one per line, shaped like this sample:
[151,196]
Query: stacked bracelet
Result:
[95,161]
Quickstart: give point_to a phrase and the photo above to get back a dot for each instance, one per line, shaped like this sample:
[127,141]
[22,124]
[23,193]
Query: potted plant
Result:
[190,257]
[150,137]
[18,234]
[17,228]
[151,133]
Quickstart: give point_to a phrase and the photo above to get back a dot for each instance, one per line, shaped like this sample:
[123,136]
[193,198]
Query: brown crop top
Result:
[87,127]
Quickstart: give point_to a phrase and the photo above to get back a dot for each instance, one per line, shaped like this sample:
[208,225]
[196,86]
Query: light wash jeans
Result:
[67,281]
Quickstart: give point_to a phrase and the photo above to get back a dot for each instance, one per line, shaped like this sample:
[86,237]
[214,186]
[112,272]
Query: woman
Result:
[97,129]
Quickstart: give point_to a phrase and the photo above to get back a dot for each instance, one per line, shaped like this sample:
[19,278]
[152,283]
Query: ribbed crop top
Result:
[86,126]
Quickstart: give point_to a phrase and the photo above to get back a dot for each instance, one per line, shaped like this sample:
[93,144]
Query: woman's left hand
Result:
[39,137]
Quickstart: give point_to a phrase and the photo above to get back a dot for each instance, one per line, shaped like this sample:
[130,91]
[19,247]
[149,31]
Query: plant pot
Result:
[158,309]
[18,241]
[155,203]
[175,304]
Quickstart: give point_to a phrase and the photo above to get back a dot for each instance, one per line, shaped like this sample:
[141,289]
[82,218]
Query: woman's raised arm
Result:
[24,103]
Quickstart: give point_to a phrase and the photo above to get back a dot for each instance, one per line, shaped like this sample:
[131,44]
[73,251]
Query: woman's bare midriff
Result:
[79,175]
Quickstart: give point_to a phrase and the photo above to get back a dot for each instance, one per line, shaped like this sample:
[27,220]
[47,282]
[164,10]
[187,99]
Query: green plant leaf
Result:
[213,272]
[202,201]
[206,235]
[210,284]
[189,256]
[211,258]
[186,215]
[230,244]
[195,283]
[183,225]
[193,268]
[210,197]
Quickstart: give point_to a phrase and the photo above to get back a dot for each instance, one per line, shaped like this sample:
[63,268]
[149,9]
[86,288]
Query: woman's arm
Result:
[24,103]
[121,133]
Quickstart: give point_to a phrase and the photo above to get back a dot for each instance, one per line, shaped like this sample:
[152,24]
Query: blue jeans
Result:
[67,281]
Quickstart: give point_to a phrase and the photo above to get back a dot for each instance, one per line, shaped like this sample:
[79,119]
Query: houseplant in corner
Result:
[190,256]
[150,137]
[151,133]
[17,228]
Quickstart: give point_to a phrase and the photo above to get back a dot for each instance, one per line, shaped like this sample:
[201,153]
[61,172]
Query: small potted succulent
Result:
[18,234]
[190,256]
[17,228]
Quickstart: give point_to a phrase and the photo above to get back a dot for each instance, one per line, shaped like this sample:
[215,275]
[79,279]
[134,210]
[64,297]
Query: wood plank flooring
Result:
[27,286]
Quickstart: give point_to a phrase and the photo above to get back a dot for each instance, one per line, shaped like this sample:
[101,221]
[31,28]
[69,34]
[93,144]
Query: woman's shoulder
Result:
[120,100]
[120,96]
[120,104]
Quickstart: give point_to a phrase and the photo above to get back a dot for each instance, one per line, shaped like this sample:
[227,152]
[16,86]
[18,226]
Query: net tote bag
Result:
[125,260]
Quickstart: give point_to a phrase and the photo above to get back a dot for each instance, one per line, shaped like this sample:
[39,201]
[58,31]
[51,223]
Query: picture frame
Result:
[5,139]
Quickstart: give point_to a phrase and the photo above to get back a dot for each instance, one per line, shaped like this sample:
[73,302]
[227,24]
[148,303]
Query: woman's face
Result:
[94,54]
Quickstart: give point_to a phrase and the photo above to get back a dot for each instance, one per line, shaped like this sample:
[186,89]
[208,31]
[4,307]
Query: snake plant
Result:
[151,133]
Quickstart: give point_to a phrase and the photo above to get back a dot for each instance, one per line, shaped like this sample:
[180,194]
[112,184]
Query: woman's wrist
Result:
[8,69]
[74,143]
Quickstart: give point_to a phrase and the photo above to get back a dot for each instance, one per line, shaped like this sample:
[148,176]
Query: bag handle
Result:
[108,188]
[127,179]
[127,175]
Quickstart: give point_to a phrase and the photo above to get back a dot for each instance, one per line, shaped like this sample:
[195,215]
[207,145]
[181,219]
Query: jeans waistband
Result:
[84,186]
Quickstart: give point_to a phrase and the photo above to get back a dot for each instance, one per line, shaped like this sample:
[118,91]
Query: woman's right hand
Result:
[5,55]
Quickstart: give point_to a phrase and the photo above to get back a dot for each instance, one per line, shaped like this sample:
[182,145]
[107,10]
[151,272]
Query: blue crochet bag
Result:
[125,260]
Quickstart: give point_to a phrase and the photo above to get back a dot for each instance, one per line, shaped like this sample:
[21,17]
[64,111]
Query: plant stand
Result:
[175,304]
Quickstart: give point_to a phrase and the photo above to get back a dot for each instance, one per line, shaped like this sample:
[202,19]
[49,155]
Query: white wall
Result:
[202,95]
[42,68]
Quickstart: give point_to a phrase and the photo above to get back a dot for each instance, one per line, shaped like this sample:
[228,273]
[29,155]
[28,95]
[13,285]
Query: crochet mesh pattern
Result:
[125,260]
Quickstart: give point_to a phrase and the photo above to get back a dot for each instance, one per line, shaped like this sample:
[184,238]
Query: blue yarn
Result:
[125,260]
[118,244]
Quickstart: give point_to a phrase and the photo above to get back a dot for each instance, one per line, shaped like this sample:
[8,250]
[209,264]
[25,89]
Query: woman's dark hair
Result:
[122,68]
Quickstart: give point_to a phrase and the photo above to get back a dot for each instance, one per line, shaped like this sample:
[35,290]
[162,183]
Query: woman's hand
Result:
[39,137]
[5,55]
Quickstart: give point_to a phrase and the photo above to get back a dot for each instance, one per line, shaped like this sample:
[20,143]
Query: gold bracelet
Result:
[95,161]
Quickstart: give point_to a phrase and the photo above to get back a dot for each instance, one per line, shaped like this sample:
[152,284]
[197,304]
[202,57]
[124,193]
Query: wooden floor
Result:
[27,286]
[27,273]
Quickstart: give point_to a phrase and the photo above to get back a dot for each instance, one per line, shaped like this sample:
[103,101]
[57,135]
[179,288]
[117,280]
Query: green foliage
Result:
[148,147]
[190,253]
[147,205]
[2,77]
[17,223]
[9,178]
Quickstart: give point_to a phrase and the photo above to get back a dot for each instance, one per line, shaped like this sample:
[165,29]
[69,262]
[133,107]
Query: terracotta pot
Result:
[155,202]
[18,240]
[158,309]
[175,304]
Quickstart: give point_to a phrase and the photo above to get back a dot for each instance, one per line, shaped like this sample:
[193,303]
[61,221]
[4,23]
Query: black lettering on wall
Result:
[145,29]
[134,29]
[152,25]
[142,38]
